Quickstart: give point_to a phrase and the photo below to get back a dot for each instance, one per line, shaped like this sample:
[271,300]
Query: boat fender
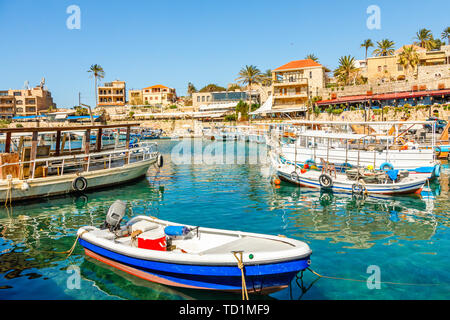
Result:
[438,151]
[25,186]
[325,181]
[386,166]
[79,184]
[160,161]
[294,176]
[437,171]
[357,188]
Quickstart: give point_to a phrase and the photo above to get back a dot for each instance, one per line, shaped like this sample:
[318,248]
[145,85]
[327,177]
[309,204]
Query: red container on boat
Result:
[152,240]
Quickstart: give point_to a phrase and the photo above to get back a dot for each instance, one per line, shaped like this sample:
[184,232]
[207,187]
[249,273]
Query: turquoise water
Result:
[407,238]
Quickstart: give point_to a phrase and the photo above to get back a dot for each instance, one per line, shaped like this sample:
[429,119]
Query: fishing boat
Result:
[382,151]
[355,181]
[33,169]
[194,257]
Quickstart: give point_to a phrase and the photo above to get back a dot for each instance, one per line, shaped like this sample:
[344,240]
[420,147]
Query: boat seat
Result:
[105,234]
[249,244]
[144,226]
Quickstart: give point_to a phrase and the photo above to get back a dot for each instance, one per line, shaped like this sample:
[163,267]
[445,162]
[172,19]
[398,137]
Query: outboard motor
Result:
[114,216]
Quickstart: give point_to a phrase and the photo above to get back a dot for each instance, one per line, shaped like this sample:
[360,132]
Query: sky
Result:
[200,41]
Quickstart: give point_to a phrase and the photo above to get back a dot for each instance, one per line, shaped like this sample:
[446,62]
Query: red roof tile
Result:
[297,64]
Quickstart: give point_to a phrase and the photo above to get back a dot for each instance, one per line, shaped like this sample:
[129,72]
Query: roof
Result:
[157,86]
[400,50]
[298,64]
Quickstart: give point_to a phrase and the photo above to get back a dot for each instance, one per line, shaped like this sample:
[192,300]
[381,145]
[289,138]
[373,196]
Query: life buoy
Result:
[294,176]
[325,181]
[79,184]
[386,166]
[160,161]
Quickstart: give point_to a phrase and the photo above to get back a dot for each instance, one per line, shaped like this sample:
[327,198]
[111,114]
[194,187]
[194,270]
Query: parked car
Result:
[439,125]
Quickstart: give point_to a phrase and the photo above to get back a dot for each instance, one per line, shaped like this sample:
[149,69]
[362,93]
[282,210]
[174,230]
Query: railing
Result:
[147,150]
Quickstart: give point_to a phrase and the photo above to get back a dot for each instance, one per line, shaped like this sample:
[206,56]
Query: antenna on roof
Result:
[26,85]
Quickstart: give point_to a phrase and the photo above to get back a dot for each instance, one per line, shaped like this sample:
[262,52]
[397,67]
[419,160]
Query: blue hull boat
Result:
[197,258]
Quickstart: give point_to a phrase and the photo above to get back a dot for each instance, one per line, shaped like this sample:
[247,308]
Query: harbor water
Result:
[404,242]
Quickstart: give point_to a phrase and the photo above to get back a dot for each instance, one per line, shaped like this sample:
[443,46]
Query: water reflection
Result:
[33,234]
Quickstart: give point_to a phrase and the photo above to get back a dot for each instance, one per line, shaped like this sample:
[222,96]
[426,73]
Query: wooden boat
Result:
[38,171]
[392,182]
[195,257]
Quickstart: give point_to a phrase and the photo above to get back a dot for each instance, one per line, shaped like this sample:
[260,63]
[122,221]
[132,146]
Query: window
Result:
[17,93]
[400,67]
[19,102]
[203,98]
[310,74]
[198,98]
[207,98]
[19,109]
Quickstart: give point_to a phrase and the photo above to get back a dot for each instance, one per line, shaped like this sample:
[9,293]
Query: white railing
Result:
[144,151]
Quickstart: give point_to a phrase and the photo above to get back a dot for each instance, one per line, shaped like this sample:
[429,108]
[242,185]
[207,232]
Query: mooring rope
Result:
[8,193]
[381,282]
[241,267]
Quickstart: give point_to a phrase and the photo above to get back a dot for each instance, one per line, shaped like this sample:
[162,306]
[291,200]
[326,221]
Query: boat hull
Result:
[261,278]
[60,185]
[384,189]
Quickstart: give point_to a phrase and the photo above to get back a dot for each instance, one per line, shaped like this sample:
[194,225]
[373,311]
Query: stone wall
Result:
[397,86]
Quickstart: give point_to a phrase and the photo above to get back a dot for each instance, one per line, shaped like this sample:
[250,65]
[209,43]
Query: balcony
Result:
[290,82]
[291,95]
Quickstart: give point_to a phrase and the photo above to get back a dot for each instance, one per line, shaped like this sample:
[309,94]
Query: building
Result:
[294,83]
[112,94]
[387,68]
[159,95]
[201,100]
[25,102]
[135,97]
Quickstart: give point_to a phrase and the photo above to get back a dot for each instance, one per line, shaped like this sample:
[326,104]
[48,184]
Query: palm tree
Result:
[408,58]
[267,81]
[446,34]
[312,57]
[367,44]
[385,48]
[191,88]
[425,39]
[250,75]
[346,69]
[98,72]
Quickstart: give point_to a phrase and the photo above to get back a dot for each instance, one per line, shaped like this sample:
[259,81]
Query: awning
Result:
[217,106]
[266,107]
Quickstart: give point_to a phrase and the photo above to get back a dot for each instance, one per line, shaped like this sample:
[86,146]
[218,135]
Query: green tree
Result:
[250,75]
[346,69]
[267,81]
[367,44]
[424,39]
[446,35]
[312,57]
[191,89]
[385,48]
[408,58]
[212,88]
[98,73]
